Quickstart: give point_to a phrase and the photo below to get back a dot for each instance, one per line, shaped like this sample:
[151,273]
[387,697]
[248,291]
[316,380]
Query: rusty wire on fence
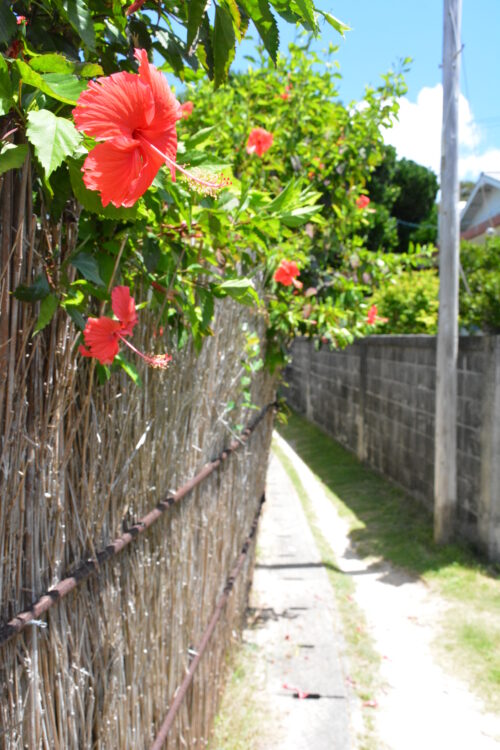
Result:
[92,566]
[209,630]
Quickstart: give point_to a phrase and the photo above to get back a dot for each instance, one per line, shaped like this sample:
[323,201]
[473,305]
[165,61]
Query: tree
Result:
[319,142]
[404,209]
[383,191]
[418,188]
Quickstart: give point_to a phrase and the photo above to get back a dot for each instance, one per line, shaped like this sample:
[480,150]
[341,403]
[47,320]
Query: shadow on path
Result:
[390,525]
[291,566]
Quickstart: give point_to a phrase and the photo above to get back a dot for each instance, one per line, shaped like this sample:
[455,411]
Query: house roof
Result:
[482,191]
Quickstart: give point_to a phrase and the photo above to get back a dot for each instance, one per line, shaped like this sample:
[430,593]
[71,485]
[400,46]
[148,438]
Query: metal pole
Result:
[445,478]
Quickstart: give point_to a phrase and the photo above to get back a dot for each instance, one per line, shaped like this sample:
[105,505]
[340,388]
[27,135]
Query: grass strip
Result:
[240,723]
[386,523]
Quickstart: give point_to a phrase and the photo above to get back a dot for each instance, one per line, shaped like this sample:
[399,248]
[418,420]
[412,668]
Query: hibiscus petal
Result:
[259,141]
[286,273]
[123,305]
[101,336]
[167,110]
[114,105]
[119,172]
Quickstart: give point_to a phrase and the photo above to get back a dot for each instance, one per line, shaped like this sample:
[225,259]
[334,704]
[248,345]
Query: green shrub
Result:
[480,286]
[409,301]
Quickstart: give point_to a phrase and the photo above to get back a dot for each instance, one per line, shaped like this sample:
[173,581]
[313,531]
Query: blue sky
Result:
[384,31]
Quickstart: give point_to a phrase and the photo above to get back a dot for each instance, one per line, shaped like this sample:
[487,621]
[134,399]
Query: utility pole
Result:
[445,456]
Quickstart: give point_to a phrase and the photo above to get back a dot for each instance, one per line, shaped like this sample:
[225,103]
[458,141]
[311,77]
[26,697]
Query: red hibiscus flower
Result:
[372,318]
[259,141]
[135,116]
[135,6]
[186,109]
[102,335]
[285,95]
[362,202]
[286,272]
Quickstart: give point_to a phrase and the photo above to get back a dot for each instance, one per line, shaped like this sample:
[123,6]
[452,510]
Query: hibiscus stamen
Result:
[6,135]
[160,361]
[197,178]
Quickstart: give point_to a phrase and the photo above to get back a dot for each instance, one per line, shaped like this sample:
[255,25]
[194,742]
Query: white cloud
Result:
[471,166]
[416,135]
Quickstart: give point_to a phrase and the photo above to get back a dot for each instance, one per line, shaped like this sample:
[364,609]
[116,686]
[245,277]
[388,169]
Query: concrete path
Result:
[295,627]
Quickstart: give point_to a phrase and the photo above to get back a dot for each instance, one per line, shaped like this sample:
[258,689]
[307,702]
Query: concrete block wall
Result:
[377,398]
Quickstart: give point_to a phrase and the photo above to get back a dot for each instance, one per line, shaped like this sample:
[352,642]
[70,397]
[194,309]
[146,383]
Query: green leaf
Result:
[289,192]
[171,50]
[76,317]
[89,70]
[139,32]
[205,49]
[299,216]
[129,368]
[79,16]
[113,34]
[103,373]
[204,159]
[56,63]
[241,290]
[91,200]
[66,86]
[265,23]
[207,306]
[307,10]
[38,290]
[234,11]
[8,24]
[337,25]
[12,156]
[75,297]
[88,267]
[54,138]
[195,10]
[5,88]
[32,78]
[52,63]
[48,306]
[224,44]
[200,137]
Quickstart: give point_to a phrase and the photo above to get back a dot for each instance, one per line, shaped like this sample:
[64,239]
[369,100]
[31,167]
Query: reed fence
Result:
[80,463]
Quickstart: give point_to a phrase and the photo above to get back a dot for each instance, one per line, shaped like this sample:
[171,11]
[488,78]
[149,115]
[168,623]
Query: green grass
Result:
[241,722]
[385,523]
